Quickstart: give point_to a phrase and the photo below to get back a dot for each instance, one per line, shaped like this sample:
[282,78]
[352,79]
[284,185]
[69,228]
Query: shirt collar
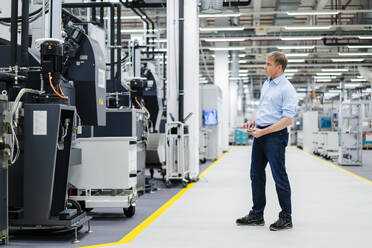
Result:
[277,79]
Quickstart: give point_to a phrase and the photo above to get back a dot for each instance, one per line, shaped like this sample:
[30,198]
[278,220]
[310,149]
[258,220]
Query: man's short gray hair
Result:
[279,59]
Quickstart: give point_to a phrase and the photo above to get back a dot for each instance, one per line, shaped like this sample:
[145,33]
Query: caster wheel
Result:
[203,160]
[168,184]
[129,212]
[184,184]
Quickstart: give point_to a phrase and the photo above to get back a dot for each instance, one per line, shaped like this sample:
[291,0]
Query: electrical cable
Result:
[143,108]
[13,123]
[56,92]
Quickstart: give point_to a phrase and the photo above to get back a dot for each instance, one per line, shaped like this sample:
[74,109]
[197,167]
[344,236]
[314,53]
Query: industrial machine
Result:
[52,89]
[4,157]
[210,107]
[109,171]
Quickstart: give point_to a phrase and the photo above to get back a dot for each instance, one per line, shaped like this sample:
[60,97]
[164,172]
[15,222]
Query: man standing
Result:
[274,114]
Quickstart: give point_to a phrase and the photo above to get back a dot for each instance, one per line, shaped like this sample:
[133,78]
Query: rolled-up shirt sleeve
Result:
[289,102]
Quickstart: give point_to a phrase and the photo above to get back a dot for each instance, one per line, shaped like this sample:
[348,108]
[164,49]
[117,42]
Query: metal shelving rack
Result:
[350,134]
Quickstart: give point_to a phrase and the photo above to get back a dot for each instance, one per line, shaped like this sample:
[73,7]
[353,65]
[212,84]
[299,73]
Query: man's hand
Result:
[249,124]
[257,132]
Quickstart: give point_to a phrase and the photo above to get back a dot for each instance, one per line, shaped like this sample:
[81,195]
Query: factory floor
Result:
[332,207]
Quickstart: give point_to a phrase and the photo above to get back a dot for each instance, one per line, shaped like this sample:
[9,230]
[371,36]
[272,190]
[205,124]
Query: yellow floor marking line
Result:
[336,166]
[138,229]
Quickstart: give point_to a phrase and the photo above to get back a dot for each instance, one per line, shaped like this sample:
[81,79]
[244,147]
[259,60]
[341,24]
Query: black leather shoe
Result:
[284,222]
[250,220]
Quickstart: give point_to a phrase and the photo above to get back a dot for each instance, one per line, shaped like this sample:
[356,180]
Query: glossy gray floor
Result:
[331,208]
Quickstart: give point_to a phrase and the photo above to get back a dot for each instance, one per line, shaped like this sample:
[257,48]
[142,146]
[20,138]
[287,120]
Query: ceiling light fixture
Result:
[226,48]
[335,69]
[328,73]
[365,37]
[347,60]
[357,80]
[359,46]
[223,39]
[295,47]
[297,54]
[219,15]
[302,38]
[323,80]
[221,29]
[355,54]
[291,70]
[296,60]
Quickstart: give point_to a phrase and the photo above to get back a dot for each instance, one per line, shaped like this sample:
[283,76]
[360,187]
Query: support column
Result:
[233,85]
[191,80]
[172,58]
[221,79]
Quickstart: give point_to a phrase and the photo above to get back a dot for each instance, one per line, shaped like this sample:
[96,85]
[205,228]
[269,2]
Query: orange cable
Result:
[60,89]
[51,85]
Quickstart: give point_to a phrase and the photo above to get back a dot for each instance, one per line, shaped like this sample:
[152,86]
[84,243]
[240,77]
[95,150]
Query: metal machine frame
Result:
[107,174]
[177,153]
[350,134]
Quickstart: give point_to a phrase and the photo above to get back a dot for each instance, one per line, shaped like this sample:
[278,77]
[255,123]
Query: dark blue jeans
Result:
[270,148]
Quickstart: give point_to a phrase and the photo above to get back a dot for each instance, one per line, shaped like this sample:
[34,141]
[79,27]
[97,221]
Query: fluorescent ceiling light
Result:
[238,78]
[302,38]
[297,54]
[242,55]
[307,27]
[223,39]
[225,48]
[360,77]
[222,29]
[219,15]
[295,47]
[325,77]
[360,46]
[347,60]
[334,91]
[299,13]
[291,70]
[358,80]
[243,70]
[323,80]
[335,69]
[328,73]
[355,54]
[365,37]
[296,60]
[349,85]
[161,50]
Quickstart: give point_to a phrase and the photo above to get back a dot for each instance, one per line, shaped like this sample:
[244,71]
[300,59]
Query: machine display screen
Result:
[210,117]
[325,122]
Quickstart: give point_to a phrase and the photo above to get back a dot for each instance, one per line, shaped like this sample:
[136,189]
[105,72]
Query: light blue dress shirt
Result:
[278,100]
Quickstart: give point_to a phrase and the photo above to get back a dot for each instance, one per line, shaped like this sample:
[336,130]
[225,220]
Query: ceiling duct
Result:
[211,6]
[286,5]
[365,72]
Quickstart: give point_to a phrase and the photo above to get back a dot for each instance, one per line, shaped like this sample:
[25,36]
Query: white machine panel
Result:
[107,163]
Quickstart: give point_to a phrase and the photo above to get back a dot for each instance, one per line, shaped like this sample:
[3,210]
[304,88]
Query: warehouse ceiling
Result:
[325,40]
